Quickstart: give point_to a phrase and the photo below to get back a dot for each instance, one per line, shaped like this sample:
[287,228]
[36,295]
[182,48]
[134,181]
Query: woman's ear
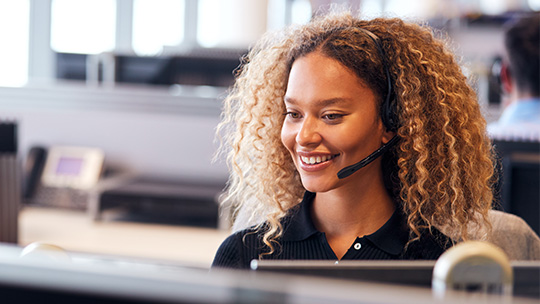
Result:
[387,136]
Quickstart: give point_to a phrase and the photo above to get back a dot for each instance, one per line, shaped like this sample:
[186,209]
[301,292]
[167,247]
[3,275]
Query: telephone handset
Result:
[33,167]
[62,176]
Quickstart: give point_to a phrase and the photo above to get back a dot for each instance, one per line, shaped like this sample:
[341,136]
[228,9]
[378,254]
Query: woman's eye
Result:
[292,115]
[332,116]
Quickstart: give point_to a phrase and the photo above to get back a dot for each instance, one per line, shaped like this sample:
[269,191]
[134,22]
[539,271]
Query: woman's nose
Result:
[308,134]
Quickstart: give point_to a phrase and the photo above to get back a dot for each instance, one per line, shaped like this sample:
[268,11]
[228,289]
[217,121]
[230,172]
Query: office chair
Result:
[508,232]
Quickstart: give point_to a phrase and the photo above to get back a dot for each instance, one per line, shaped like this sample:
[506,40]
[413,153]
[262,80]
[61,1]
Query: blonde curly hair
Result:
[442,168]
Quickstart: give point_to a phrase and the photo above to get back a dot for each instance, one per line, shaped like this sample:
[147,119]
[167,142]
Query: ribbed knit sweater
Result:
[302,241]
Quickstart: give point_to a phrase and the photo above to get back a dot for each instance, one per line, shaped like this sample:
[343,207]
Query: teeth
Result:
[315,160]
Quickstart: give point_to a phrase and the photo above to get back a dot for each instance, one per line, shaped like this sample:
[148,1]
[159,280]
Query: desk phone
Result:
[62,176]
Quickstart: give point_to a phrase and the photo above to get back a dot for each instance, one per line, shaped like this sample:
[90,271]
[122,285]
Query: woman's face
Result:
[331,122]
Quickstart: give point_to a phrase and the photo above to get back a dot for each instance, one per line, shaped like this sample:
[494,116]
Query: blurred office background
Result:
[142,80]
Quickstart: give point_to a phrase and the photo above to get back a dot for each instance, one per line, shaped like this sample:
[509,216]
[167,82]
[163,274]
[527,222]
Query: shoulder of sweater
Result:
[250,232]
[431,244]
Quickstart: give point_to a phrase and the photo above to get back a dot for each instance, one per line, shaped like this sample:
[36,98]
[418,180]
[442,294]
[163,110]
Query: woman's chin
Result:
[318,185]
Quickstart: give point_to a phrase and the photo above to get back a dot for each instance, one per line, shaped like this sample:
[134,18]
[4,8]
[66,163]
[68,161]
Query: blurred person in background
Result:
[520,81]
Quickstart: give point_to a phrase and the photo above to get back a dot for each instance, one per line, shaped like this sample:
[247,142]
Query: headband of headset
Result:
[388,106]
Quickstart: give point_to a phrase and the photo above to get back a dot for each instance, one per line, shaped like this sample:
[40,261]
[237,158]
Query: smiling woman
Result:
[328,94]
[332,121]
[331,114]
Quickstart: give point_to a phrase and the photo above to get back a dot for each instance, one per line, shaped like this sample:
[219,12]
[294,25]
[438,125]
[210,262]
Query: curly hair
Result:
[441,170]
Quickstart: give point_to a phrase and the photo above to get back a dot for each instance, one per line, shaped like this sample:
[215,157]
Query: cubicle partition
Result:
[158,133]
[9,182]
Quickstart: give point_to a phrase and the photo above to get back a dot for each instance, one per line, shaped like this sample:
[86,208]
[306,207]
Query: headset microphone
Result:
[364,162]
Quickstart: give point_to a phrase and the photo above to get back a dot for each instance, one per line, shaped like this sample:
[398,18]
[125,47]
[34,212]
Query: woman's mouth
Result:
[314,160]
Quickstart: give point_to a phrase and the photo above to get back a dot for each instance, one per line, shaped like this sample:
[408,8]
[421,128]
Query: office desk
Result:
[75,231]
[98,279]
[189,246]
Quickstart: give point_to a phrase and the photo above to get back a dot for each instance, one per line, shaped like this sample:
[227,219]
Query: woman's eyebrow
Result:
[321,102]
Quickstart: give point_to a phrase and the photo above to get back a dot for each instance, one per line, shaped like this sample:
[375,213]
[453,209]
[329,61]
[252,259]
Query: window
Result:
[240,23]
[411,9]
[534,4]
[14,27]
[371,8]
[83,26]
[301,11]
[157,24]
[230,23]
[493,7]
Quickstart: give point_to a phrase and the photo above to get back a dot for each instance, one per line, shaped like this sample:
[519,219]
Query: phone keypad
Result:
[60,197]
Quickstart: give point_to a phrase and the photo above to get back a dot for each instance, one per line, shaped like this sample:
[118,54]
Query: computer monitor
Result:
[519,177]
[208,67]
[416,273]
[91,278]
[82,278]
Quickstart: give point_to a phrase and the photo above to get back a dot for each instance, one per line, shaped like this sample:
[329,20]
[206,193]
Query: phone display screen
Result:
[69,166]
[72,167]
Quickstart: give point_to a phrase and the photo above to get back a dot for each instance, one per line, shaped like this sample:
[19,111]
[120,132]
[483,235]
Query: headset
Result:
[388,112]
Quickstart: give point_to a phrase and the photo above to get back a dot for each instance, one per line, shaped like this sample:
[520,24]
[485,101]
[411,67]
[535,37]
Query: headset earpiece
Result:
[389,115]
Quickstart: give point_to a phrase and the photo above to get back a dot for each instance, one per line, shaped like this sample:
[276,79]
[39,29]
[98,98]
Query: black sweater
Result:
[302,241]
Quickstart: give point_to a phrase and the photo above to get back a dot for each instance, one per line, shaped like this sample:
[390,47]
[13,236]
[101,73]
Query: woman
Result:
[312,101]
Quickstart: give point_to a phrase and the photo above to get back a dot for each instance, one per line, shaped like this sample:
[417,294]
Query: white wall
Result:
[161,132]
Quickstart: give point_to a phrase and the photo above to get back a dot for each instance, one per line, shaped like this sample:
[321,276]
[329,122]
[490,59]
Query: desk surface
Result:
[75,231]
